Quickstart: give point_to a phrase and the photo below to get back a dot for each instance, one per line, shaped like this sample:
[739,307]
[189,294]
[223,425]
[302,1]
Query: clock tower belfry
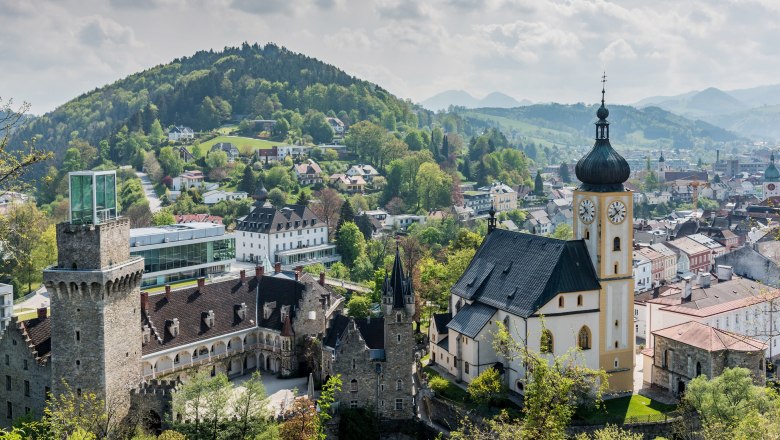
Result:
[603,220]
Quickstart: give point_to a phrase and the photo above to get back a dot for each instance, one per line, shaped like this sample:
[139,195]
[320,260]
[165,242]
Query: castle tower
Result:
[771,179]
[398,308]
[604,221]
[95,307]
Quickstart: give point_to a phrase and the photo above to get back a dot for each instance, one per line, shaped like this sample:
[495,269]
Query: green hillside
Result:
[558,124]
[209,88]
[239,142]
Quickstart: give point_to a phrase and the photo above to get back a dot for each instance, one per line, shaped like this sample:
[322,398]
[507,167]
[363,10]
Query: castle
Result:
[105,336]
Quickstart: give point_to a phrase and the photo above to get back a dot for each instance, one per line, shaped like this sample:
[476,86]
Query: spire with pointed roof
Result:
[398,287]
[771,174]
[492,219]
[261,194]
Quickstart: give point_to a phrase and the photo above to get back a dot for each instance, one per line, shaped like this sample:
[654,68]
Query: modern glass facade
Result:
[92,196]
[179,257]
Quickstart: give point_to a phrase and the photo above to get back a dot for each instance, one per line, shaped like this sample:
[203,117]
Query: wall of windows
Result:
[186,255]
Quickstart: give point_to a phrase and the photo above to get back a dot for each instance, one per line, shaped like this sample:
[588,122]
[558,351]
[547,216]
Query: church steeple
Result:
[492,219]
[397,290]
[602,169]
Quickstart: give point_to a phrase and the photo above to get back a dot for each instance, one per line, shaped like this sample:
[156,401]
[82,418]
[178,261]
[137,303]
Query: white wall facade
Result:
[253,245]
[643,275]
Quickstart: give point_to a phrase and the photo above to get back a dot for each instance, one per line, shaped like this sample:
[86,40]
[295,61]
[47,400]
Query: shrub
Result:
[438,384]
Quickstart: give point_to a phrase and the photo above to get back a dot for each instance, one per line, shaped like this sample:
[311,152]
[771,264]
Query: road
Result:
[347,285]
[151,195]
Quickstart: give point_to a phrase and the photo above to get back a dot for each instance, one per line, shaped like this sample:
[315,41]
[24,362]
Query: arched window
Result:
[546,342]
[579,300]
[398,385]
[616,244]
[698,369]
[560,301]
[587,235]
[616,268]
[353,387]
[583,338]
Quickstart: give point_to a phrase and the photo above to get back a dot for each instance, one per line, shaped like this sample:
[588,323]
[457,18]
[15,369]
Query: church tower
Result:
[95,298]
[398,308]
[771,179]
[604,212]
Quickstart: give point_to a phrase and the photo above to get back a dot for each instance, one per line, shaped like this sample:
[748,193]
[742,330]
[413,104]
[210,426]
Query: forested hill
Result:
[209,88]
[573,125]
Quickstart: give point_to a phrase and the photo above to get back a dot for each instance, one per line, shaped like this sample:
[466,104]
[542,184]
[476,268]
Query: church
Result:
[578,292]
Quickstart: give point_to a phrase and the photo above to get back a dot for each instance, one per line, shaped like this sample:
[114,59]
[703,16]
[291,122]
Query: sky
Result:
[543,50]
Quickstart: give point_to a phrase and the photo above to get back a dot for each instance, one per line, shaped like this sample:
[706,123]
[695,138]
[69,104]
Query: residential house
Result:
[185,155]
[502,196]
[367,172]
[402,221]
[643,273]
[351,184]
[715,248]
[180,133]
[188,179]
[337,125]
[692,256]
[479,201]
[538,222]
[757,261]
[215,196]
[280,152]
[308,173]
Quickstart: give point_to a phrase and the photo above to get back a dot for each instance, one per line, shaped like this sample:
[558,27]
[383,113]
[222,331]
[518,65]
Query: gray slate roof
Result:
[519,273]
[471,319]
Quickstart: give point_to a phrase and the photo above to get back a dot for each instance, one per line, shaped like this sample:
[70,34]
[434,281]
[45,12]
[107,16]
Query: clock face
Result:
[771,187]
[587,211]
[616,212]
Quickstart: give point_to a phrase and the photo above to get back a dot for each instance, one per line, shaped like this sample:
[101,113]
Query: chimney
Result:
[168,291]
[322,278]
[299,269]
[259,270]
[42,312]
[725,273]
[243,276]
[705,279]
[297,275]
[277,267]
[144,301]
[201,283]
[687,289]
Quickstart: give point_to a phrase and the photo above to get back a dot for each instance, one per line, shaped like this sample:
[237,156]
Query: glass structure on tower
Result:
[92,196]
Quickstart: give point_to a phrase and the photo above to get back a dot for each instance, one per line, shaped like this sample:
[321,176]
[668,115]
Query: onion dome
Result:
[661,159]
[602,169]
[771,174]
[260,193]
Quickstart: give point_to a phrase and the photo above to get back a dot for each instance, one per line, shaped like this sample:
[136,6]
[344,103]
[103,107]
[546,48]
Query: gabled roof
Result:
[441,320]
[267,219]
[519,272]
[709,338]
[371,329]
[39,333]
[471,319]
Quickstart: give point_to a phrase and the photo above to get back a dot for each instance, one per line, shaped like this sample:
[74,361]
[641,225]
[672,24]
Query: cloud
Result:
[264,7]
[98,31]
[402,9]
[617,50]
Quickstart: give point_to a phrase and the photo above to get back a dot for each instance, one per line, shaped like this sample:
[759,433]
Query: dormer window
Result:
[285,311]
[268,308]
[173,327]
[241,311]
[208,319]
[147,334]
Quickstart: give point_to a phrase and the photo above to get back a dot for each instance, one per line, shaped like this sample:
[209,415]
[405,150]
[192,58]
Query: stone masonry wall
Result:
[399,352]
[352,363]
[93,246]
[14,356]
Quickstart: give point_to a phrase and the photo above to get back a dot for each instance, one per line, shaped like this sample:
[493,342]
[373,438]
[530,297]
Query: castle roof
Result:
[519,273]
[372,330]
[38,331]
[268,219]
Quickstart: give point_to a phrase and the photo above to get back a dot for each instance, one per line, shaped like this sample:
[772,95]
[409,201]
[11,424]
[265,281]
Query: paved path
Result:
[151,195]
[39,298]
[280,391]
[347,285]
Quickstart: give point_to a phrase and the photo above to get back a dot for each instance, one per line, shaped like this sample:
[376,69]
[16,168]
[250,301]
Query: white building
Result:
[643,273]
[293,236]
[215,196]
[725,302]
[6,306]
[579,291]
[181,133]
[403,221]
[367,172]
[188,179]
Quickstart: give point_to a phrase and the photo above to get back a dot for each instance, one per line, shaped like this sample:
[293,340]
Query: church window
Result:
[353,386]
[399,385]
[546,342]
[616,344]
[616,268]
[382,387]
[616,244]
[579,300]
[587,235]
[698,369]
[9,410]
[583,338]
[399,404]
[560,301]
[616,323]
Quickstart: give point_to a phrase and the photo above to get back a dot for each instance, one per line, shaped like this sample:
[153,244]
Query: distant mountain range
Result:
[461,98]
[753,112]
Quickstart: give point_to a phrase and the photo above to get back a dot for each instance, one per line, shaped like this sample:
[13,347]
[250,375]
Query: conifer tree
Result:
[538,184]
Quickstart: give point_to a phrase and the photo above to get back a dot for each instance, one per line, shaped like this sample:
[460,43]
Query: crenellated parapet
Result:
[94,284]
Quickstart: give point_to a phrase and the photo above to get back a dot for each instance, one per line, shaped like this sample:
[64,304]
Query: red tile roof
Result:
[709,338]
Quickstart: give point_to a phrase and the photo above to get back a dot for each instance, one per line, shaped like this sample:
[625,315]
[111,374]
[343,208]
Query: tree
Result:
[414,140]
[72,160]
[156,132]
[250,406]
[163,217]
[248,181]
[302,421]
[17,160]
[350,243]
[611,432]
[487,387]
[303,198]
[562,232]
[190,398]
[433,187]
[216,159]
[27,249]
[318,127]
[563,171]
[171,162]
[347,214]
[651,181]
[139,214]
[327,397]
[277,198]
[152,167]
[364,224]
[79,413]
[359,306]
[218,395]
[365,139]
[327,207]
[538,184]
